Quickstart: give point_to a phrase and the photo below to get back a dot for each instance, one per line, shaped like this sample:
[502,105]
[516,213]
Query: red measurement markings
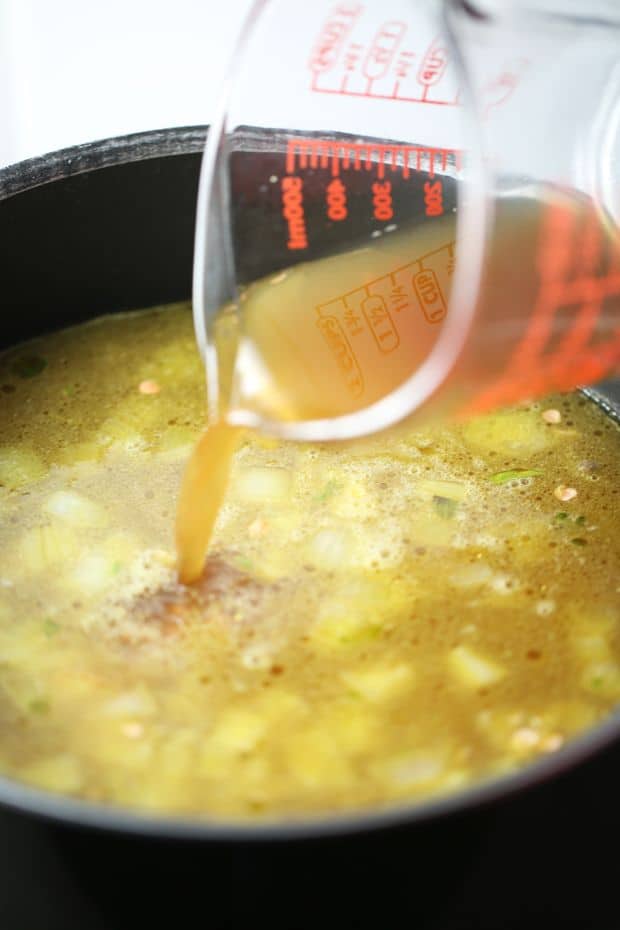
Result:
[374,306]
[396,94]
[382,200]
[345,155]
[380,323]
[332,37]
[501,87]
[383,49]
[429,295]
[352,56]
[336,200]
[342,353]
[569,257]
[433,198]
[351,68]
[404,63]
[433,66]
[353,321]
[303,153]
[293,212]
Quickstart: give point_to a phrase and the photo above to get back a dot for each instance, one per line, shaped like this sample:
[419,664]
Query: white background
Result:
[73,71]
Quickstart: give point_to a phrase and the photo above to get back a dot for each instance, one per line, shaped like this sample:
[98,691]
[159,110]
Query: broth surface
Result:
[377,622]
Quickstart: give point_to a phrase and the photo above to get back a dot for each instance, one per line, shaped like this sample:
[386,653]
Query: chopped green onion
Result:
[28,366]
[330,489]
[579,541]
[513,474]
[562,515]
[39,706]
[50,627]
[580,520]
[445,507]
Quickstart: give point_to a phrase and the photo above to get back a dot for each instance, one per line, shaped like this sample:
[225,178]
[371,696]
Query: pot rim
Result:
[104,153]
[94,156]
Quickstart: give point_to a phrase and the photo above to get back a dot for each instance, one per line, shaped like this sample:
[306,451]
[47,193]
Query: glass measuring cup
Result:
[409,207]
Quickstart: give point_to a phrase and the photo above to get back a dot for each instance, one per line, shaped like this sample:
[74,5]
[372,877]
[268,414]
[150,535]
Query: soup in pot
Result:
[376,623]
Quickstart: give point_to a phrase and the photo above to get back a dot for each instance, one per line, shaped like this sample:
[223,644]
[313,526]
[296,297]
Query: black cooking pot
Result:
[109,226]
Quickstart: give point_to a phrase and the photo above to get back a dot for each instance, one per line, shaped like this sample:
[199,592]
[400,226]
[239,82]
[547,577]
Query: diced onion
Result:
[473,669]
[75,509]
[263,484]
[379,682]
[62,773]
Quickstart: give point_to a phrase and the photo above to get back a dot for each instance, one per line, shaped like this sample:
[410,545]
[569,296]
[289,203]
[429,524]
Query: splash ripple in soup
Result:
[377,622]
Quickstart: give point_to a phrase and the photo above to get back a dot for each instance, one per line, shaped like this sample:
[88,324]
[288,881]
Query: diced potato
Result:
[25,644]
[602,679]
[330,549]
[92,573]
[26,691]
[104,742]
[470,576]
[514,434]
[473,669]
[74,688]
[177,753]
[315,760]
[139,702]
[123,547]
[353,728]
[416,770]
[262,484]
[357,613]
[498,724]
[214,762]
[44,547]
[338,624]
[428,488]
[238,730]
[572,715]
[427,528]
[18,466]
[278,706]
[97,569]
[601,621]
[377,683]
[593,647]
[350,500]
[62,773]
[75,509]
[362,606]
